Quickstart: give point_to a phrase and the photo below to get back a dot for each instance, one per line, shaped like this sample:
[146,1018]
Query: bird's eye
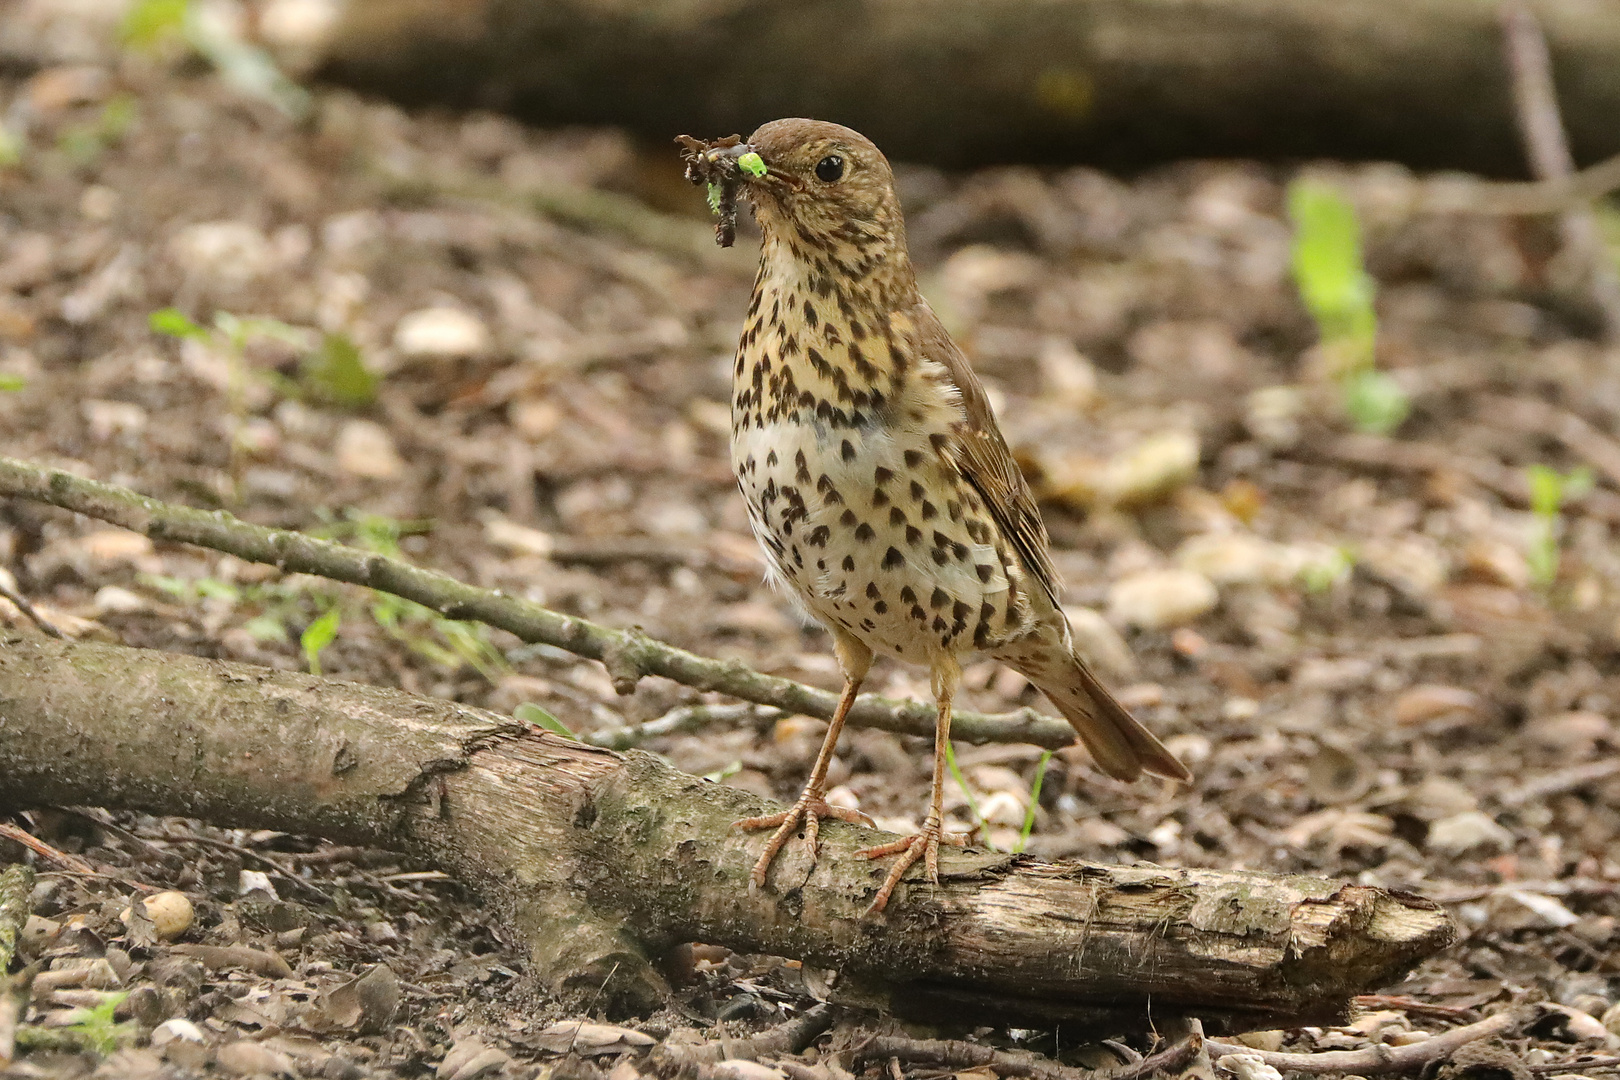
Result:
[830,169]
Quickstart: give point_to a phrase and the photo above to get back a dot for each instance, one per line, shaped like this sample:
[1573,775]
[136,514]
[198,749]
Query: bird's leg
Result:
[925,844]
[811,806]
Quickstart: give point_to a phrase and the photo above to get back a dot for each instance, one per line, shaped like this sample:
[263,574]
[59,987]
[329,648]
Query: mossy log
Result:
[602,861]
[960,82]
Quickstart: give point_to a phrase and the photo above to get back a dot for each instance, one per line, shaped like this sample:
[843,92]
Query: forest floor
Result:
[505,353]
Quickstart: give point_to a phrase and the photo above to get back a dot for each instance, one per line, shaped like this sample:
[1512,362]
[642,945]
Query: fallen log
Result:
[601,861]
[960,82]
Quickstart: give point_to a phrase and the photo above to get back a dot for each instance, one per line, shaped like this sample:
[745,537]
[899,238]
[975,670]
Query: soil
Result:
[1357,644]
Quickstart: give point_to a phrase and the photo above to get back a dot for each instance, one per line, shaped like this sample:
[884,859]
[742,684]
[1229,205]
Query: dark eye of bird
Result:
[830,168]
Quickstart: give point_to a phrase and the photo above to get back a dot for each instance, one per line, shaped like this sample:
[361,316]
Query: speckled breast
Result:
[871,530]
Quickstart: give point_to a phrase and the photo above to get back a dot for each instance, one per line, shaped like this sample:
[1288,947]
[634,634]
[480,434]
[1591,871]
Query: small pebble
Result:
[1161,599]
[441,333]
[366,449]
[1466,831]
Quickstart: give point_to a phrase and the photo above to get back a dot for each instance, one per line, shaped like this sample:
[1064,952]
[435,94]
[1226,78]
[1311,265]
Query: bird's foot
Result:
[923,845]
[809,809]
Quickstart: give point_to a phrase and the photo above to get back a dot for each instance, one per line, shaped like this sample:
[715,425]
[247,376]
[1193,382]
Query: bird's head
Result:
[828,188]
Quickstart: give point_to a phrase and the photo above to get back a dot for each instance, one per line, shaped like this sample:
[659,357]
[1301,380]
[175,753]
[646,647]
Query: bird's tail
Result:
[1120,746]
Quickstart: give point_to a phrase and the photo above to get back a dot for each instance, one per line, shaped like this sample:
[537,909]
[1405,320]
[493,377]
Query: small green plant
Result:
[317,636]
[1549,489]
[11,384]
[1034,801]
[1338,292]
[530,713]
[98,1028]
[1320,575]
[166,25]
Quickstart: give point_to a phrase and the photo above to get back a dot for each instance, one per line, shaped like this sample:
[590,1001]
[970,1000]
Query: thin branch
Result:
[680,721]
[1535,98]
[1468,195]
[1379,1058]
[20,602]
[628,654]
[70,863]
[956,1054]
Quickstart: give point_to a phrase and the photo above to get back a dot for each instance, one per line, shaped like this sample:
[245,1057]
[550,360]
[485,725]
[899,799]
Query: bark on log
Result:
[601,860]
[1114,82]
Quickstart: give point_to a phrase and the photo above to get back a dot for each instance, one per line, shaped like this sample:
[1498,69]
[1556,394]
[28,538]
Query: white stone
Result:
[441,333]
[177,1028]
[111,599]
[366,449]
[1151,469]
[1161,599]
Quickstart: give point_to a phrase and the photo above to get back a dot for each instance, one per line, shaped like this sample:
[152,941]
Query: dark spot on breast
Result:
[892,559]
[929,510]
[939,599]
[880,498]
[847,451]
[881,475]
[847,518]
[810,316]
[864,532]
[848,563]
[984,570]
[913,534]
[897,516]
[913,458]
[908,594]
[881,608]
[953,509]
[770,459]
[917,491]
[918,613]
[939,624]
[818,536]
[959,611]
[941,557]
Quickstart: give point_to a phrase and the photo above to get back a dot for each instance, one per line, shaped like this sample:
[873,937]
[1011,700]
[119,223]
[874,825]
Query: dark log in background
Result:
[601,861]
[1119,83]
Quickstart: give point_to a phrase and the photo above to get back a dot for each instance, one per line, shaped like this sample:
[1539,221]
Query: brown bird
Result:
[876,479]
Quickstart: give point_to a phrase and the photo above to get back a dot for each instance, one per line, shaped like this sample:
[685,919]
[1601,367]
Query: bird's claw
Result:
[810,809]
[923,845]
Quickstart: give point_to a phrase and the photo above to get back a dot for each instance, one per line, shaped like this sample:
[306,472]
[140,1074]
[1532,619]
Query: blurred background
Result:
[1319,396]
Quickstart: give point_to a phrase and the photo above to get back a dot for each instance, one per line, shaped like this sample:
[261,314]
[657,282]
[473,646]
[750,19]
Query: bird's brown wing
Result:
[983,456]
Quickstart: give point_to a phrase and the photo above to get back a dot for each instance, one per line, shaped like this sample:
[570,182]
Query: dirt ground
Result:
[1354,642]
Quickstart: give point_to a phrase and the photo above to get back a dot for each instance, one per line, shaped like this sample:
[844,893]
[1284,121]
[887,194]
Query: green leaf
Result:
[1546,490]
[1034,801]
[317,636]
[149,22]
[1328,267]
[175,323]
[12,146]
[530,713]
[722,773]
[1375,402]
[98,1028]
[338,374]
[11,383]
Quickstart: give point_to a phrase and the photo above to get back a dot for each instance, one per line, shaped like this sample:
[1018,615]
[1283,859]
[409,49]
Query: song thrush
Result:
[875,476]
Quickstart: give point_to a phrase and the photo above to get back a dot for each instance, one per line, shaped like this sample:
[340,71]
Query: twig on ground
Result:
[1379,1058]
[956,1054]
[1556,783]
[1535,99]
[1576,1066]
[678,721]
[1470,196]
[789,1037]
[20,602]
[70,863]
[1416,1007]
[628,654]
